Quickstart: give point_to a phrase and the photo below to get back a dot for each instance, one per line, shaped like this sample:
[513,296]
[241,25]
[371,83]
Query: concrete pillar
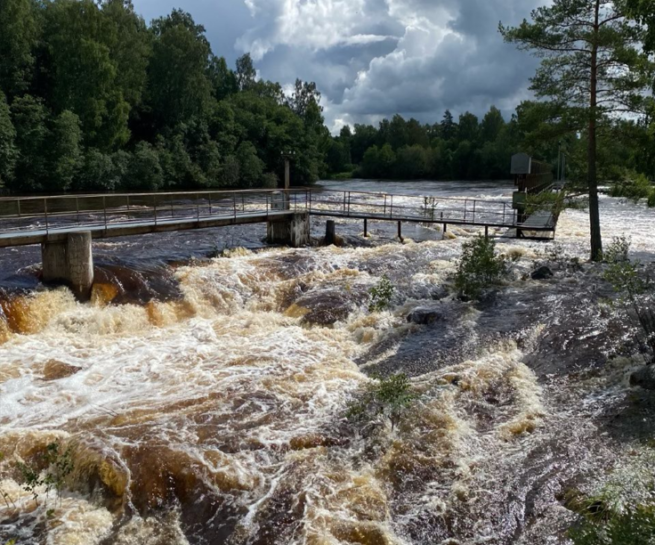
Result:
[330,232]
[53,258]
[70,262]
[79,257]
[291,230]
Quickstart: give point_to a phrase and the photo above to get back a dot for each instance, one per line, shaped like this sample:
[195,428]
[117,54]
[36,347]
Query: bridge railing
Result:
[428,209]
[51,214]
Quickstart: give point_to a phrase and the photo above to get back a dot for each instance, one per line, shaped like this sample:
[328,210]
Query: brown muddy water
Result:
[205,398]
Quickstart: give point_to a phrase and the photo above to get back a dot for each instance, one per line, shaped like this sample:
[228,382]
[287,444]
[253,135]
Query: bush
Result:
[389,397]
[381,295]
[630,285]
[58,465]
[270,180]
[635,187]
[479,267]
[651,199]
[633,527]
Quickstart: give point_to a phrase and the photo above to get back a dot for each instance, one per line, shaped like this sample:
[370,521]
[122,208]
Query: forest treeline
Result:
[470,148]
[92,98]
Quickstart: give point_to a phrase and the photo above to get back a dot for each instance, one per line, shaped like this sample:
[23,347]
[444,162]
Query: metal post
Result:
[209,198]
[391,210]
[385,206]
[198,207]
[154,207]
[349,195]
[486,231]
[104,209]
[77,209]
[287,174]
[18,206]
[474,202]
[400,230]
[234,204]
[45,211]
[365,228]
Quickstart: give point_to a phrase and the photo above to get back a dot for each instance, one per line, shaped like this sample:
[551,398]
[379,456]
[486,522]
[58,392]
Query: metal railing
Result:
[51,214]
[358,204]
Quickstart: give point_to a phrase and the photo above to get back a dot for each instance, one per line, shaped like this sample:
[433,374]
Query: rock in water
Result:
[644,377]
[542,273]
[425,315]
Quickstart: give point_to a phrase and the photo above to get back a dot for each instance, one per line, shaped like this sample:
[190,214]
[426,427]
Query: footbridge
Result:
[65,225]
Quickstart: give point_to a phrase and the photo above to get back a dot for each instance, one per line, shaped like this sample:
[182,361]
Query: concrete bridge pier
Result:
[70,262]
[292,230]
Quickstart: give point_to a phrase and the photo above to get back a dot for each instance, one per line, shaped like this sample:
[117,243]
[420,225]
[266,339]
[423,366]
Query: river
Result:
[206,398]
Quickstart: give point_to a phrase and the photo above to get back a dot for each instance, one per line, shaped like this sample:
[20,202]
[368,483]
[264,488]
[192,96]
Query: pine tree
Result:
[593,64]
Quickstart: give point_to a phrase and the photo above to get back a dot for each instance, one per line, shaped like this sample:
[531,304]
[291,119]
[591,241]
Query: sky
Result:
[372,59]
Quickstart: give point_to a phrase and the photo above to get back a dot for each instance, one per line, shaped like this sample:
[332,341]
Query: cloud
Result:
[374,58]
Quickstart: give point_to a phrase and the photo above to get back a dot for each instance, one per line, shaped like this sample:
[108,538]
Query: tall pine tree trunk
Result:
[594,210]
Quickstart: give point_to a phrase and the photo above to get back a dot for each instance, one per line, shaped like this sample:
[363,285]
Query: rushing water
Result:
[206,397]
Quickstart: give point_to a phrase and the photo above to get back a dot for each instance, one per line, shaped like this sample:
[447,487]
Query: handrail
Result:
[151,193]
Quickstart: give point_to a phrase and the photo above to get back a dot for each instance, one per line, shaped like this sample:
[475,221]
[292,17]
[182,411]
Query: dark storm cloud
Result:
[374,58]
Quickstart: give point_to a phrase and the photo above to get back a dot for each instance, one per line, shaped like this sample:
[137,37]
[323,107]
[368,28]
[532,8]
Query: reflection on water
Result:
[206,401]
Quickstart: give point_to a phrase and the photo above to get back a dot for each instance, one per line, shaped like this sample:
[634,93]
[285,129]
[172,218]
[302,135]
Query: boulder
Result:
[644,377]
[542,273]
[425,316]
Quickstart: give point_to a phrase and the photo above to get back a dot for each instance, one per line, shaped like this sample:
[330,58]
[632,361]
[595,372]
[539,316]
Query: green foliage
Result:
[92,98]
[631,284]
[8,151]
[53,467]
[478,268]
[381,295]
[635,186]
[389,397]
[19,33]
[144,171]
[406,150]
[632,527]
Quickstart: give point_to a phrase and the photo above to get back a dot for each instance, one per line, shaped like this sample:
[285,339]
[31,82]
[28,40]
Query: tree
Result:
[179,87]
[83,77]
[592,64]
[246,73]
[304,95]
[19,32]
[144,171]
[223,80]
[8,151]
[492,124]
[29,116]
[65,155]
[448,127]
[251,167]
[469,127]
[397,132]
